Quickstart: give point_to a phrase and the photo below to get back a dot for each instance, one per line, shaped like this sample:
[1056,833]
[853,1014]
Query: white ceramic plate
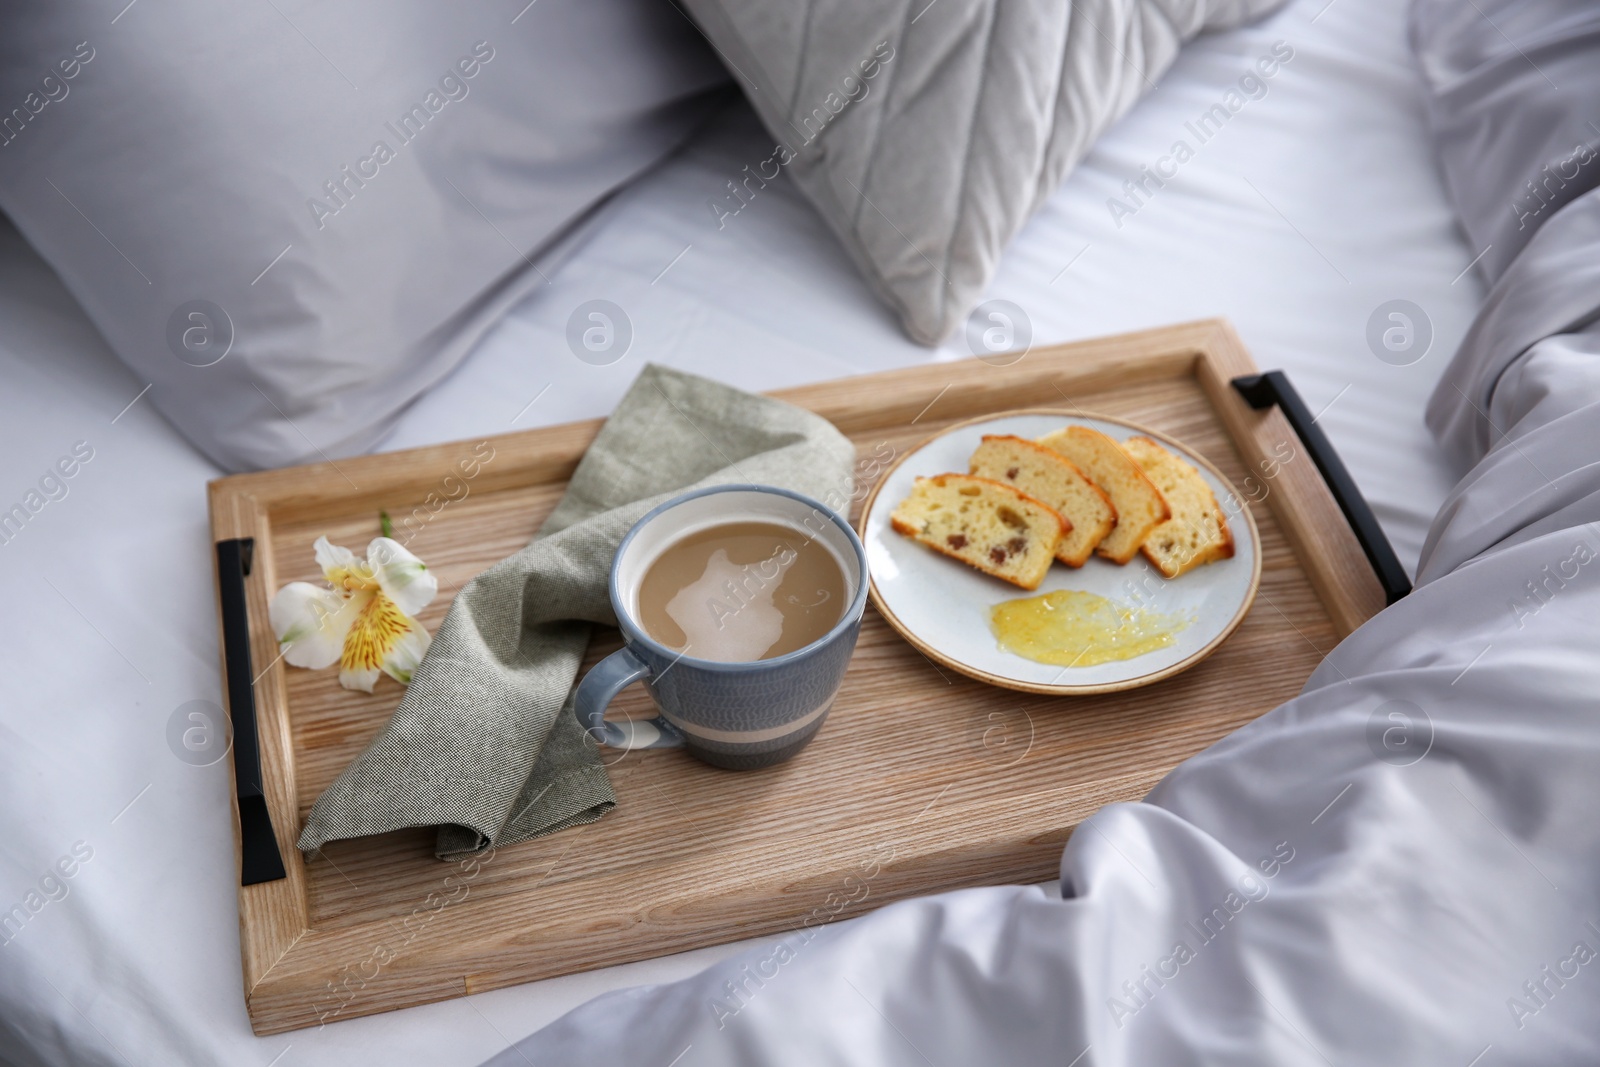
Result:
[941,605]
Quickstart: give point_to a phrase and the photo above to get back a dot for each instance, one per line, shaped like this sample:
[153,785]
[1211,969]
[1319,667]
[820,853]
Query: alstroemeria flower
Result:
[362,619]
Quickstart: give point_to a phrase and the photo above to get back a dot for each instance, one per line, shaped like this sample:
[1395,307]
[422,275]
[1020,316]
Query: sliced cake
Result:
[1198,531]
[1140,505]
[1049,476]
[992,526]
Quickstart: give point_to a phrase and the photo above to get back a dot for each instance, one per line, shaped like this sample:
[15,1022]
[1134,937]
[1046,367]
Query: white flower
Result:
[362,619]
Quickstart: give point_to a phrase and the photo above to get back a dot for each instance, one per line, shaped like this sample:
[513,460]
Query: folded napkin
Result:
[485,745]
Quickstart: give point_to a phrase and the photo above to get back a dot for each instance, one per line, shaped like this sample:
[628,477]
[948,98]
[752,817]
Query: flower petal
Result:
[407,653]
[403,577]
[310,622]
[333,558]
[363,680]
[381,631]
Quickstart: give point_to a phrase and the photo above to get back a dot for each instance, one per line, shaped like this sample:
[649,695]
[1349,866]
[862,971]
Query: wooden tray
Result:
[984,789]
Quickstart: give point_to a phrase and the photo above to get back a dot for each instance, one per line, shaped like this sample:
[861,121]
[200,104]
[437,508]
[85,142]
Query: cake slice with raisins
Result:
[992,526]
[1140,505]
[1198,532]
[1053,478]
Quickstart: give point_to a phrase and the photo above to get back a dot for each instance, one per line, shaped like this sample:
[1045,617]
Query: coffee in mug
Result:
[739,607]
[742,591]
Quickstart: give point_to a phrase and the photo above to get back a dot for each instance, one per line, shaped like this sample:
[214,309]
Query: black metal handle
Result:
[260,860]
[1273,387]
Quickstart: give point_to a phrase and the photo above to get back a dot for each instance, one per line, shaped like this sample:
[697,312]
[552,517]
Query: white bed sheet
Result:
[1311,208]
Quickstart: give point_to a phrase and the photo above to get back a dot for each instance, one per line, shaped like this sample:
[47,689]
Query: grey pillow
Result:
[291,218]
[927,131]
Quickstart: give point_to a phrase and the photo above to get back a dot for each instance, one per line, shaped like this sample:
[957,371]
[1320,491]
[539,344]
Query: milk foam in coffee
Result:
[742,591]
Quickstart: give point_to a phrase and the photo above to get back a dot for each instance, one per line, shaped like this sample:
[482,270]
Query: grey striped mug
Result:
[743,714]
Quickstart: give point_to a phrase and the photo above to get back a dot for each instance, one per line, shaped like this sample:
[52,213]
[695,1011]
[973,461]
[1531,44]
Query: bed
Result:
[1318,204]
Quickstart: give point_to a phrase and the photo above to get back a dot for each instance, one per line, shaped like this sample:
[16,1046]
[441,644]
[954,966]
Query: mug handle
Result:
[600,687]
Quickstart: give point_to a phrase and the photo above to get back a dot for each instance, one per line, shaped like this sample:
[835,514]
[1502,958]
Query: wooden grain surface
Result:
[921,780]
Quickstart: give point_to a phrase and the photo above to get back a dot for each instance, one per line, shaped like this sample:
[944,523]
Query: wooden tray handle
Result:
[259,858]
[1273,387]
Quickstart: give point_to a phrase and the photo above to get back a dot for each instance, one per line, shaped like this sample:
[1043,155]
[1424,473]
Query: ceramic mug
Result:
[740,715]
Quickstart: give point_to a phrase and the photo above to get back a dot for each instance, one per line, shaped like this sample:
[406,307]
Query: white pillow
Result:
[292,218]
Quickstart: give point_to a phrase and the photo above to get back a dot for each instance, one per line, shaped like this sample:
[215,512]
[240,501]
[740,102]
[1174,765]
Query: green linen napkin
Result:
[485,745]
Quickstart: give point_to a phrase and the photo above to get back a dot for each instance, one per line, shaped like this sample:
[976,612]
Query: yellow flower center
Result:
[356,578]
[376,630]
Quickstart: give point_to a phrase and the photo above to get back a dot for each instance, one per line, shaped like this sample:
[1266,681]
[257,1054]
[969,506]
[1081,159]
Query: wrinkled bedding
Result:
[134,959]
[1396,867]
